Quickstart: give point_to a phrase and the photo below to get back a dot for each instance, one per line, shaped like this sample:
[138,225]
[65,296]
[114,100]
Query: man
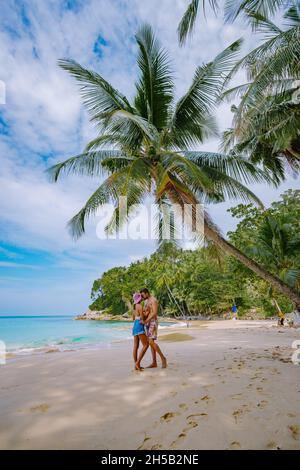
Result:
[234,312]
[151,327]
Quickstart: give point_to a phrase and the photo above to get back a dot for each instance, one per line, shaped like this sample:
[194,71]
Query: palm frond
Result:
[155,87]
[232,165]
[99,96]
[187,23]
[104,139]
[186,169]
[292,15]
[234,8]
[201,97]
[88,163]
[145,127]
[104,194]
[262,24]
[135,194]
[133,184]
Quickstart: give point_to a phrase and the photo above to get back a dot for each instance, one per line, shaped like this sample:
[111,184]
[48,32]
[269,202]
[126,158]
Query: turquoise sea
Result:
[27,334]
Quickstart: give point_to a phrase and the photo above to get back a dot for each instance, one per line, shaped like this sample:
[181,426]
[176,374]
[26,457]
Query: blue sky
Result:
[42,270]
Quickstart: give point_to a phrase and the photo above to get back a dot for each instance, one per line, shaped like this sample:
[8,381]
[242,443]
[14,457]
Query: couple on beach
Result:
[145,327]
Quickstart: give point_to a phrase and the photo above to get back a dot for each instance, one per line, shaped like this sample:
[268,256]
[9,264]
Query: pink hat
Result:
[137,298]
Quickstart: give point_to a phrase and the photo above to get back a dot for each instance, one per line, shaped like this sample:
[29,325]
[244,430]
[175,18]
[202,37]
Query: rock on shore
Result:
[102,315]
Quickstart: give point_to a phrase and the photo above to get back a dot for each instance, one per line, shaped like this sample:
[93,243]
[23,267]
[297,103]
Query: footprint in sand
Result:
[192,424]
[196,415]
[177,441]
[167,417]
[237,396]
[256,376]
[275,371]
[206,398]
[237,414]
[156,447]
[294,430]
[144,441]
[235,445]
[183,434]
[272,445]
[40,408]
[183,406]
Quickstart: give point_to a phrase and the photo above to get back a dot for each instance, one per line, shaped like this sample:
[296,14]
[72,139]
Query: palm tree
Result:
[233,8]
[149,141]
[266,121]
[277,247]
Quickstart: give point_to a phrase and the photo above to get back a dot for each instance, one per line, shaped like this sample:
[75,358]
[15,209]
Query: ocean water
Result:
[27,334]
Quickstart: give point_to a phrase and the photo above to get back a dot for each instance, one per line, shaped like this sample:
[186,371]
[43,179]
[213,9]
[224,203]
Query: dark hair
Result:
[145,291]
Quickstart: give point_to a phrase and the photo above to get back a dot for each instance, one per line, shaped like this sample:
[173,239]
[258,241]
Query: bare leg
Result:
[157,350]
[153,352]
[136,343]
[145,344]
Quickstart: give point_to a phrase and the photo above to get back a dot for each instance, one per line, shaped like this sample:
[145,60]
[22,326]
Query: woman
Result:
[138,331]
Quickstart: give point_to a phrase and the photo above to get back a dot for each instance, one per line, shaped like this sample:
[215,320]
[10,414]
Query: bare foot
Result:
[152,366]
[138,367]
[164,363]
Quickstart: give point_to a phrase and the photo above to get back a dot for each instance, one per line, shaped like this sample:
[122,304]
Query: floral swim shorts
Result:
[151,329]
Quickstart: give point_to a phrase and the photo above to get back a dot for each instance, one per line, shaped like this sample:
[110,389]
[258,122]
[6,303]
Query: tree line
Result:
[207,282]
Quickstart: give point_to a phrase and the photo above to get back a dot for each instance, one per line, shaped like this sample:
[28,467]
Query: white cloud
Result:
[10,264]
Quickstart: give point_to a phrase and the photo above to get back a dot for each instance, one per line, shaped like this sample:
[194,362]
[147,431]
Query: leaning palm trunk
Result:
[273,280]
[277,306]
[172,298]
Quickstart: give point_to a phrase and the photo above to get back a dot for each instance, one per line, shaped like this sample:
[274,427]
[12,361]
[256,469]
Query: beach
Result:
[228,385]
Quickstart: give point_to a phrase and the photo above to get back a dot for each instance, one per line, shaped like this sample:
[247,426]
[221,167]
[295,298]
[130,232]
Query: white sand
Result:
[233,386]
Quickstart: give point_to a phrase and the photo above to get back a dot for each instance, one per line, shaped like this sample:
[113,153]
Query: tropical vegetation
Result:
[188,285]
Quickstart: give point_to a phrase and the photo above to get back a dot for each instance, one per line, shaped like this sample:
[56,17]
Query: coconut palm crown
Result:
[143,147]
